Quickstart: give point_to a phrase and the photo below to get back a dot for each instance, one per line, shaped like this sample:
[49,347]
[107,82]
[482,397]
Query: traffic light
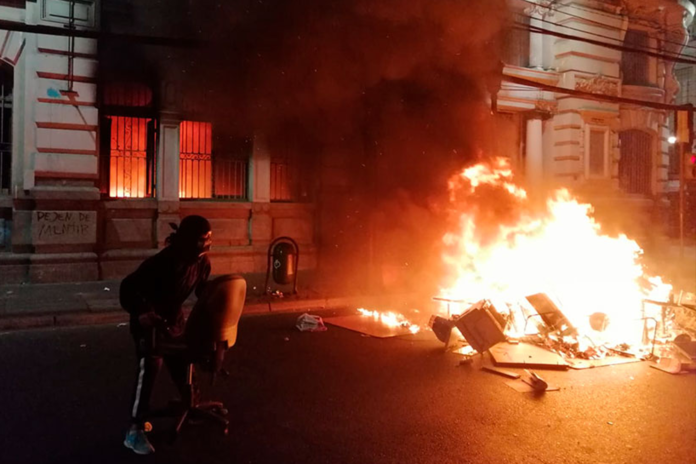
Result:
[684,125]
[689,166]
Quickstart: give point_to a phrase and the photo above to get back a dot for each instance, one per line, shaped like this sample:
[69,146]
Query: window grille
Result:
[283,180]
[686,92]
[6,81]
[597,153]
[131,157]
[208,173]
[635,165]
[195,160]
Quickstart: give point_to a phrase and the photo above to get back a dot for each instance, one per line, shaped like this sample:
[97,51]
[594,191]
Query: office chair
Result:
[211,330]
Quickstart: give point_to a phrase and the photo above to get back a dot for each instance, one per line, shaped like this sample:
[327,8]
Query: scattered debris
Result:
[533,380]
[520,386]
[9,292]
[107,289]
[504,373]
[669,365]
[479,327]
[121,324]
[277,294]
[310,323]
[83,346]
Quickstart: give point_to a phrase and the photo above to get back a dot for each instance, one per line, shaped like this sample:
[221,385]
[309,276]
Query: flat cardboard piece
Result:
[525,355]
[367,325]
[669,365]
[579,364]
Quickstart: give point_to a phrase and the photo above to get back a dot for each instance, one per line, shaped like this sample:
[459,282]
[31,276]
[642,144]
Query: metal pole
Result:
[682,168]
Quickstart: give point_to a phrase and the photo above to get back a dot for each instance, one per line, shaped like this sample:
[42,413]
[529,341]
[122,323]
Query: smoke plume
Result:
[379,101]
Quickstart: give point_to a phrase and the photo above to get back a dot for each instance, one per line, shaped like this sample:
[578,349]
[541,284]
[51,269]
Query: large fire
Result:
[505,247]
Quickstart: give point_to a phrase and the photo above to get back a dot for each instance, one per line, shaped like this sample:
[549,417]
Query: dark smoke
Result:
[380,101]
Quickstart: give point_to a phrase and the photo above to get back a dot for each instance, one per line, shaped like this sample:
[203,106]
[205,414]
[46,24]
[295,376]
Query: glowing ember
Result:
[505,247]
[390,319]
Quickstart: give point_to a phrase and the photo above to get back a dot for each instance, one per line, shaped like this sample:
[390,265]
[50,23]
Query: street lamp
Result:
[672,139]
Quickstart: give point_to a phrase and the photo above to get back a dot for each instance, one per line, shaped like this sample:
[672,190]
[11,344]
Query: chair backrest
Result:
[214,318]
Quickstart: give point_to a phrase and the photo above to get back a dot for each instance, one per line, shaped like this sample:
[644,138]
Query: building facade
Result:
[615,152]
[96,164]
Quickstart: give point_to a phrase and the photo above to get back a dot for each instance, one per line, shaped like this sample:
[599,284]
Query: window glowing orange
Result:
[128,174]
[195,159]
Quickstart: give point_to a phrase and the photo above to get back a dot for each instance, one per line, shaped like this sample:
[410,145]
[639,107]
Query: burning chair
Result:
[481,325]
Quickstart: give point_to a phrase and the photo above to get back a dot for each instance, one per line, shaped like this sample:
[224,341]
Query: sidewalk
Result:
[28,306]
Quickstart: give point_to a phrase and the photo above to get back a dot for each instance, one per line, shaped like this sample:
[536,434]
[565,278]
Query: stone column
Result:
[167,176]
[168,159]
[260,193]
[534,156]
[260,185]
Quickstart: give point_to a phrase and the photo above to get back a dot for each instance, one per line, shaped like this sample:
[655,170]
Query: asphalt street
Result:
[336,397]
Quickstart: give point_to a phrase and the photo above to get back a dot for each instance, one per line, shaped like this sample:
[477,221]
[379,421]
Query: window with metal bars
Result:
[131,146]
[6,84]
[597,161]
[208,173]
[283,180]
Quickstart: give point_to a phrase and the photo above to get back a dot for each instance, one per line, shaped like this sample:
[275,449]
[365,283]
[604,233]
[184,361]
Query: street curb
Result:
[118,315]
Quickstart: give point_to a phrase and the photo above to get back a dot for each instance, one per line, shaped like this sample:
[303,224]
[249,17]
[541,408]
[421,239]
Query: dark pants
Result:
[149,366]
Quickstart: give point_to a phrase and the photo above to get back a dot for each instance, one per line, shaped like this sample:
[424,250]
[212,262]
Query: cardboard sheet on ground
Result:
[608,361]
[367,325]
[527,356]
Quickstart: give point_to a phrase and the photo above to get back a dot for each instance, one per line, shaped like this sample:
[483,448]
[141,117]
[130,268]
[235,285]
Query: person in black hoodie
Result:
[153,296]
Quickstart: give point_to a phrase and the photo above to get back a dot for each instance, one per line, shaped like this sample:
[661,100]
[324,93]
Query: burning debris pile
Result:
[541,286]
[547,276]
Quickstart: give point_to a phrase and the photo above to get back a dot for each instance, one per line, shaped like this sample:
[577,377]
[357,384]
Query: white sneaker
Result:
[137,441]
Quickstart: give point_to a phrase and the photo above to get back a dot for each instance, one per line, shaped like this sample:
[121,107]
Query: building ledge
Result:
[536,75]
[643,92]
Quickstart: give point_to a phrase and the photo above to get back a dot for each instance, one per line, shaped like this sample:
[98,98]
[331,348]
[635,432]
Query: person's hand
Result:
[149,320]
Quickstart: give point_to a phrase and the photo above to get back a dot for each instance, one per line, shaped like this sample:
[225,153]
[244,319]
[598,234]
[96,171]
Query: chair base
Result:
[213,411]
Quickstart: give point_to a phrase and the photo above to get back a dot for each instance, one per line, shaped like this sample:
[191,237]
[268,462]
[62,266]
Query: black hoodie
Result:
[161,284]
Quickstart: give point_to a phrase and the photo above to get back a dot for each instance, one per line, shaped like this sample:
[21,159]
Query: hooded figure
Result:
[153,295]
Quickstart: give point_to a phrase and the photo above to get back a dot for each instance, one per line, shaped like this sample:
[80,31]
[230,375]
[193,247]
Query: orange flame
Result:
[390,319]
[505,247]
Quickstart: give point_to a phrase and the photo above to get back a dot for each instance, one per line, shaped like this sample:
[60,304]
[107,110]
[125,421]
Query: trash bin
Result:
[283,259]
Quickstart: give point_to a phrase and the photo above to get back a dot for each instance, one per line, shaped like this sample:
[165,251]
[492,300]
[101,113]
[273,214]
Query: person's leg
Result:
[148,368]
